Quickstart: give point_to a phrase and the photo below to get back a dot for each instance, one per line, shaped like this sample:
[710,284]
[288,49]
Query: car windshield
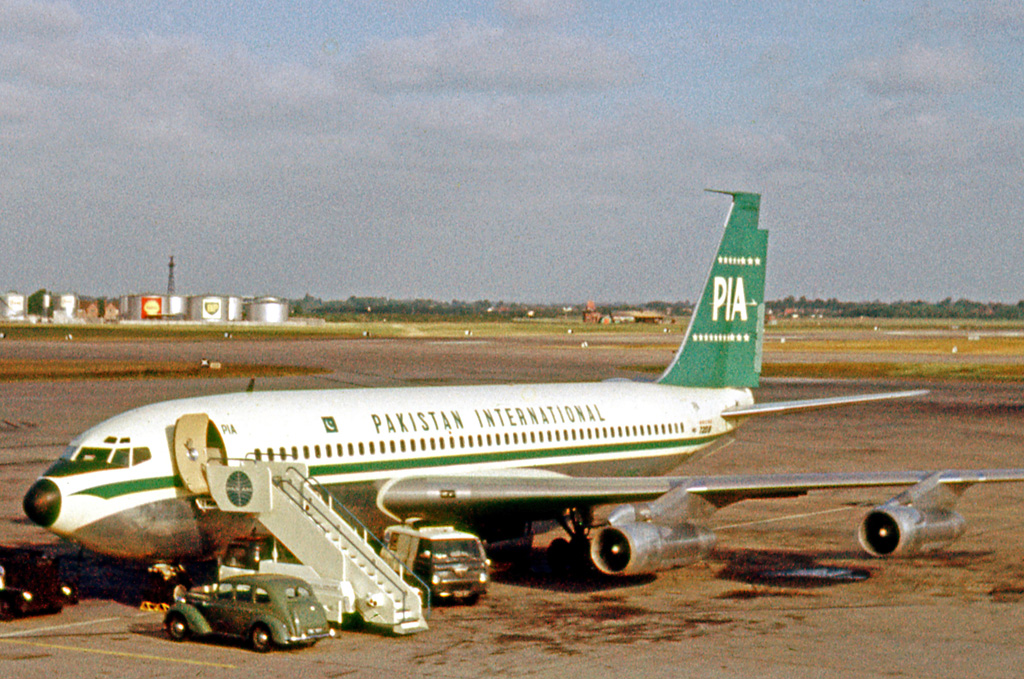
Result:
[451,550]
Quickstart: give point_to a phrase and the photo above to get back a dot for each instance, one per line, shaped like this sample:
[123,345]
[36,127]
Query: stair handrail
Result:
[342,512]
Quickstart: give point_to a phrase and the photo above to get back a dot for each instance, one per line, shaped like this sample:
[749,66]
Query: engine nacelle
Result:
[636,548]
[900,529]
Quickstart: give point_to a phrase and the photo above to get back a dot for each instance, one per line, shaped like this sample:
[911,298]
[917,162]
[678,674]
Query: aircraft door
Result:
[196,443]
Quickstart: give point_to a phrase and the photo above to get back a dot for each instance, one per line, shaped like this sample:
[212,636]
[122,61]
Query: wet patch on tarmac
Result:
[800,570]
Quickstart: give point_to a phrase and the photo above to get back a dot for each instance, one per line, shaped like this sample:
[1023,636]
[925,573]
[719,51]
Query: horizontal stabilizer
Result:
[779,407]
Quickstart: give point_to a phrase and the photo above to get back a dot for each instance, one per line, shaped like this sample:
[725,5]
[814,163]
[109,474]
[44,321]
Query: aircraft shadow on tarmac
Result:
[762,567]
[536,574]
[99,577]
[123,582]
[802,570]
[758,567]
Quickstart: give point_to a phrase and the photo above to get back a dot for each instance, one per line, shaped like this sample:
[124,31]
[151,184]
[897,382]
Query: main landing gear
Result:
[165,583]
[572,555]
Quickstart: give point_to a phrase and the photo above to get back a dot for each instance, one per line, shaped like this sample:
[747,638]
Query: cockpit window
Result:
[93,455]
[94,458]
[121,457]
[140,455]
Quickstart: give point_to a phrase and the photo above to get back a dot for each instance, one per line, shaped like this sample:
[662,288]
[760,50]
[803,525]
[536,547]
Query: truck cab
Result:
[452,562]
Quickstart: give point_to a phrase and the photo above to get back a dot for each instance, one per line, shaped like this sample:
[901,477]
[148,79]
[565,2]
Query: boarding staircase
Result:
[305,517]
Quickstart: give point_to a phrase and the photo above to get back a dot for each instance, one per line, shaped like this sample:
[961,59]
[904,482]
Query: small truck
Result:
[452,562]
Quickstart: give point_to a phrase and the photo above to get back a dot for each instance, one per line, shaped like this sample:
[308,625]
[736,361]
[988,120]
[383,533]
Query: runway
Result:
[950,614]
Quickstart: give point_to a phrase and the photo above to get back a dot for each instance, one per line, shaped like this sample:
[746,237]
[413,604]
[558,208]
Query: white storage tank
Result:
[66,308]
[12,306]
[177,306]
[208,308]
[143,307]
[235,309]
[268,310]
[128,311]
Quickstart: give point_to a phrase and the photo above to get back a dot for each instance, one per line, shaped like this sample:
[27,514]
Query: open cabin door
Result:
[196,443]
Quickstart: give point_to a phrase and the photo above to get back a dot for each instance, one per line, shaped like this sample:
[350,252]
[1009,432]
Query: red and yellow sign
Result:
[152,307]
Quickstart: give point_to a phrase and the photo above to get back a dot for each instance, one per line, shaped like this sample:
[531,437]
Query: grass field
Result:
[440,329]
[986,372]
[807,329]
[823,348]
[63,369]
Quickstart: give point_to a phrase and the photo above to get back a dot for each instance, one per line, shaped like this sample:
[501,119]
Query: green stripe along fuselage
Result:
[336,473]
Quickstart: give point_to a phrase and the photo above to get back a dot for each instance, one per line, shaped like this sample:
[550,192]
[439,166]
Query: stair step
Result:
[364,570]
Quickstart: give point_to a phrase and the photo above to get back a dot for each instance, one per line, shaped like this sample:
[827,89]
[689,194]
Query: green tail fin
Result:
[722,347]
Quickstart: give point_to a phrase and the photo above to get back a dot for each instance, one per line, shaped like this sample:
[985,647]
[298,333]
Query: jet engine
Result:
[645,547]
[901,529]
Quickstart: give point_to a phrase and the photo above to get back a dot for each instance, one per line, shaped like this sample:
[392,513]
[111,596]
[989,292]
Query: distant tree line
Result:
[947,308]
[365,308]
[362,308]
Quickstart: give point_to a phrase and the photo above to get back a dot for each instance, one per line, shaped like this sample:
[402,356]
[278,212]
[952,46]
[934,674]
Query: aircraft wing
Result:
[510,496]
[778,407]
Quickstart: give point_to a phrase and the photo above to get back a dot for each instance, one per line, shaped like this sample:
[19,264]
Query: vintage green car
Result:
[267,610]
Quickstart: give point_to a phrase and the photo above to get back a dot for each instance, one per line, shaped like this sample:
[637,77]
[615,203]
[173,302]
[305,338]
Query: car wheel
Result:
[260,638]
[177,627]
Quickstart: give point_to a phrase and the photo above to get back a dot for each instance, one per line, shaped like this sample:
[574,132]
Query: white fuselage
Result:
[356,439]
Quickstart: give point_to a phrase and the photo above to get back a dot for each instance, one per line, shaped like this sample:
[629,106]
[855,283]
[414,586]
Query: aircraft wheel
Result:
[260,638]
[569,557]
[559,556]
[177,627]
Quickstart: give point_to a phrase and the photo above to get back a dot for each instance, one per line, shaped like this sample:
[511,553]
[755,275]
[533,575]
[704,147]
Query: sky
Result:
[519,150]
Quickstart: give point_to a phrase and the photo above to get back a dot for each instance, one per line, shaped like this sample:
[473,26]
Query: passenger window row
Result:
[465,442]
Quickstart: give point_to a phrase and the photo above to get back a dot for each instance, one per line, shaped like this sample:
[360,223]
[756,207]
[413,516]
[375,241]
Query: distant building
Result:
[635,316]
[89,309]
[590,313]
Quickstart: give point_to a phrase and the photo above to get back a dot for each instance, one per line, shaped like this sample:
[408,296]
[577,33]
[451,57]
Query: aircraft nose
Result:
[42,502]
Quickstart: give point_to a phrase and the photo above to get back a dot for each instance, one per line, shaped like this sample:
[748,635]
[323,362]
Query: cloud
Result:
[41,20]
[538,11]
[524,158]
[998,16]
[481,58]
[920,70]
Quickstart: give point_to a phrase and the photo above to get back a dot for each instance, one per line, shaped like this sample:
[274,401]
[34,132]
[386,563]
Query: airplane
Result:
[497,460]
